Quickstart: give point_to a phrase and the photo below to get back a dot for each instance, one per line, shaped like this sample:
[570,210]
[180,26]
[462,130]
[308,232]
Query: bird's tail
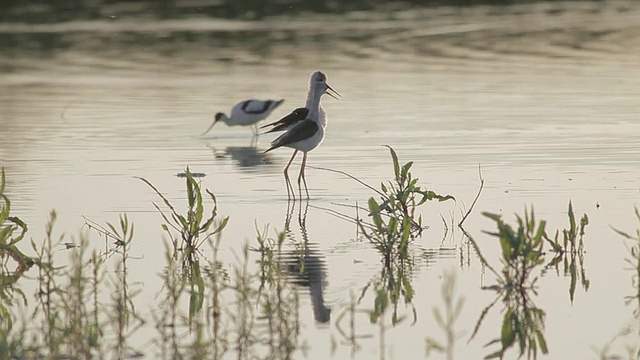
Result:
[274,144]
[277,103]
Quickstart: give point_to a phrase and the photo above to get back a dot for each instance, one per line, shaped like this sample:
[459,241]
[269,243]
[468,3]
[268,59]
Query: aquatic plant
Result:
[523,322]
[634,261]
[193,228]
[401,196]
[389,236]
[394,221]
[570,252]
[572,238]
[12,231]
[248,313]
[392,285]
[629,332]
[521,249]
[350,337]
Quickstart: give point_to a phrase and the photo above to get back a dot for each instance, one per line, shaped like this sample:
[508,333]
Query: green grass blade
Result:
[396,165]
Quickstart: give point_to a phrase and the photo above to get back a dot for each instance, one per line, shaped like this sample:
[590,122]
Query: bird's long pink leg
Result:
[286,176]
[301,176]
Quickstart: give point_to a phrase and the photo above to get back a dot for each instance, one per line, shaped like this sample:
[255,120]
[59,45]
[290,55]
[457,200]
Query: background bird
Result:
[247,113]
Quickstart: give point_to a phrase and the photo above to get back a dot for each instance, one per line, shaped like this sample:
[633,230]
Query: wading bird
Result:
[247,113]
[304,129]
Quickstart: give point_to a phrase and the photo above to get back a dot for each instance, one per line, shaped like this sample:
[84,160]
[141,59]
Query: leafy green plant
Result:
[521,249]
[389,236]
[523,322]
[634,261]
[401,196]
[394,222]
[192,227]
[570,252]
[12,231]
[572,238]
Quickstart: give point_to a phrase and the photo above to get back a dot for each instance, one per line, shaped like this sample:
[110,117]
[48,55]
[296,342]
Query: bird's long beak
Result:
[334,94]
[211,126]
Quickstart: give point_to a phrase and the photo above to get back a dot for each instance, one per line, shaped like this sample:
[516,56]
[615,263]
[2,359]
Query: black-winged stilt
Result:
[305,127]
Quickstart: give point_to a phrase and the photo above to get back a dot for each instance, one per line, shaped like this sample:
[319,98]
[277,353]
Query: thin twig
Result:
[342,216]
[350,176]
[476,198]
[102,230]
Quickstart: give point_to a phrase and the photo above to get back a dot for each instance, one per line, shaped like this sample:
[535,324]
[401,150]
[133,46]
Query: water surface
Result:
[543,96]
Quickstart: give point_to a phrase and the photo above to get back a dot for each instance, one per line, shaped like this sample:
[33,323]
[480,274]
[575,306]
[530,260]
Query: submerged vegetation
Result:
[522,258]
[628,334]
[446,319]
[12,231]
[250,308]
[523,322]
[237,311]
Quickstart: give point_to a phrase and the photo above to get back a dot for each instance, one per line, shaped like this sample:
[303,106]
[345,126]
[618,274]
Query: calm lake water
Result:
[543,97]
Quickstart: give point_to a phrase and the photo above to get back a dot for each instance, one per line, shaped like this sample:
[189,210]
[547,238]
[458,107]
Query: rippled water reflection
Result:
[543,96]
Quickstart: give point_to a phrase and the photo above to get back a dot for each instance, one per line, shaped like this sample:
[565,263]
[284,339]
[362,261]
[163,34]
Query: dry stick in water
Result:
[473,242]
[476,198]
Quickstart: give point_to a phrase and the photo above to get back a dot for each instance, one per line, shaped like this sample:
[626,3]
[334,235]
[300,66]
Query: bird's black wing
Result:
[294,117]
[303,130]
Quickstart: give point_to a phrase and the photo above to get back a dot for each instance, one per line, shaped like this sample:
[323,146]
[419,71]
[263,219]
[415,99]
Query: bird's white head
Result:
[319,83]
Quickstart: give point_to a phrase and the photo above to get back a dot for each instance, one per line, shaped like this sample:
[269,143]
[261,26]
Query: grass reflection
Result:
[250,308]
[447,318]
[628,335]
[205,309]
[523,322]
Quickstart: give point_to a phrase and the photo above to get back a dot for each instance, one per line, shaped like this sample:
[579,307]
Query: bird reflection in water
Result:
[243,156]
[304,264]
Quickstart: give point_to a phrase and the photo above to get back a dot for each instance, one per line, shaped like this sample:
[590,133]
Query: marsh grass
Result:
[522,257]
[249,313]
[570,252]
[402,195]
[394,219]
[83,310]
[13,264]
[523,322]
[572,237]
[193,228]
[628,335]
[62,323]
[521,249]
[12,231]
[249,309]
